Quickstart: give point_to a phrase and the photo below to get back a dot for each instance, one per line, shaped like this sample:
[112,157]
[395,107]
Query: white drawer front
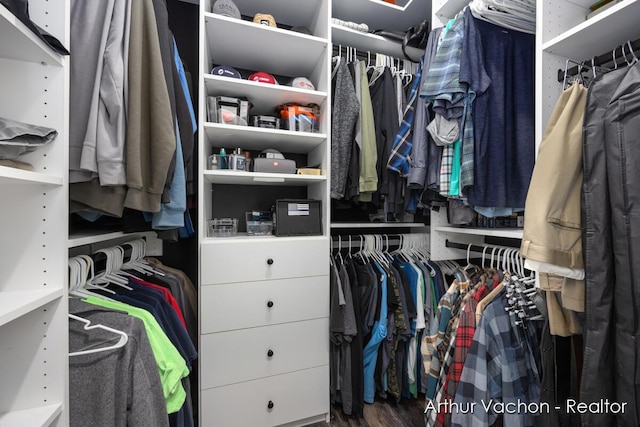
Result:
[246,305]
[263,259]
[293,396]
[248,354]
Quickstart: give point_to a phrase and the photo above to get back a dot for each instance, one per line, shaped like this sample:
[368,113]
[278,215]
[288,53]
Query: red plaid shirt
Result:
[464,332]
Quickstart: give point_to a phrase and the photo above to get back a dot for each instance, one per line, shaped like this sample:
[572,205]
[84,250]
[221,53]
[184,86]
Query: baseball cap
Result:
[226,71]
[303,83]
[264,19]
[226,8]
[263,77]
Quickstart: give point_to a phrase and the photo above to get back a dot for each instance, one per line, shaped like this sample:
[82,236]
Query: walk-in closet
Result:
[232,213]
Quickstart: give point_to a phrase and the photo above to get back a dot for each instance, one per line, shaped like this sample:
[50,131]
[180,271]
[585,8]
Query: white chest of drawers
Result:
[264,340]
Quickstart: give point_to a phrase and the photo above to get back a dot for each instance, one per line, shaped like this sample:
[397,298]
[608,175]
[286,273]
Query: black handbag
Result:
[416,36]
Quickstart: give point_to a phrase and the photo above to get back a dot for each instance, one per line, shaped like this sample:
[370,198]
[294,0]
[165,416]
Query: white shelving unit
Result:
[33,287]
[240,274]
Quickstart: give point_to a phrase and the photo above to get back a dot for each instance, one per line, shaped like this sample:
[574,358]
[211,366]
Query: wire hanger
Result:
[88,326]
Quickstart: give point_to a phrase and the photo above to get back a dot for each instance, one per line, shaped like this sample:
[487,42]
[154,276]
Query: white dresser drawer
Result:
[246,305]
[248,354]
[268,402]
[263,259]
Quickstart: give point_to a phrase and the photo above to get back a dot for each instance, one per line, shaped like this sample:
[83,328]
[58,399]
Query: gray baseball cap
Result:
[226,8]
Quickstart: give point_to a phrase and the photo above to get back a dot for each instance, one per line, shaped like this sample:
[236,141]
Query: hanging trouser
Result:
[622,151]
[378,333]
[599,355]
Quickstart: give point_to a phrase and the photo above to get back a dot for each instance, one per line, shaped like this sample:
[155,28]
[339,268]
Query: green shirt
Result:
[170,363]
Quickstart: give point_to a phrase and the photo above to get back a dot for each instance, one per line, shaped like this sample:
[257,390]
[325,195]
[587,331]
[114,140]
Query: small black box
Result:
[297,217]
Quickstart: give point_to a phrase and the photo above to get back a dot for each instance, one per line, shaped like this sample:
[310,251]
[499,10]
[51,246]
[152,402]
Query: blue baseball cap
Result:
[226,71]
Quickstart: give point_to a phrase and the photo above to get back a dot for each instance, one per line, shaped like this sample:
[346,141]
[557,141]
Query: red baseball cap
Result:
[263,77]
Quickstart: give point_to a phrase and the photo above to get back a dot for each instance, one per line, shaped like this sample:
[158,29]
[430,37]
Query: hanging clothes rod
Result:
[364,55]
[473,248]
[357,240]
[618,53]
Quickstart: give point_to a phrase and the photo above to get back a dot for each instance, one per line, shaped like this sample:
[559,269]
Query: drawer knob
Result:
[270,405]
[270,304]
[270,353]
[270,261]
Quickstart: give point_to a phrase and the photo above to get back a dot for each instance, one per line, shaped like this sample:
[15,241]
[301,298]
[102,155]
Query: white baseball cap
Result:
[226,8]
[303,83]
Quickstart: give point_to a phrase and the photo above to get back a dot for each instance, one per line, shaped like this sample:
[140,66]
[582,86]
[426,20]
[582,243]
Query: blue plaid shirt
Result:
[399,160]
[498,369]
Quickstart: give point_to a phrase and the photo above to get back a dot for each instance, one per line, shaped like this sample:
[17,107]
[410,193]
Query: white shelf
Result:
[19,42]
[370,42]
[243,237]
[14,304]
[511,233]
[18,176]
[450,8]
[39,416]
[263,97]
[586,40]
[378,14]
[257,178]
[245,45]
[248,137]
[347,225]
[285,12]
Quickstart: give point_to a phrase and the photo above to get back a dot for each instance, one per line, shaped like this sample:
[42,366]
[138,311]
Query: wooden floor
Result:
[409,413]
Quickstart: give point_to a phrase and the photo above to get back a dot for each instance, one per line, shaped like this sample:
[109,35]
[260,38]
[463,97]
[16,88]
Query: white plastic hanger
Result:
[88,326]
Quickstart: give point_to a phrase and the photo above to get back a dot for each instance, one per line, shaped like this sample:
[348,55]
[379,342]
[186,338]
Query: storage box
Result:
[300,118]
[259,223]
[267,122]
[222,227]
[228,110]
[295,217]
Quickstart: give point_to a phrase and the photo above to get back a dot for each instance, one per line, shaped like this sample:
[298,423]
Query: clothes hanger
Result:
[136,260]
[115,260]
[124,338]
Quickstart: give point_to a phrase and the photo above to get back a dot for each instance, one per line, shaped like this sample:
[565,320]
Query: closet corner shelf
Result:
[450,8]
[18,176]
[19,42]
[38,416]
[370,42]
[264,97]
[510,233]
[585,40]
[14,304]
[253,138]
[385,225]
[261,48]
[257,178]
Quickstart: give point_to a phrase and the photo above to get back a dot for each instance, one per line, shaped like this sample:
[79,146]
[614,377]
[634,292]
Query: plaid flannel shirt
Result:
[436,334]
[400,158]
[495,371]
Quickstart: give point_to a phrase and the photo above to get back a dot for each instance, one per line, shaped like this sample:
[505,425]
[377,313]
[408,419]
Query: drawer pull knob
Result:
[270,304]
[270,405]
[270,353]
[270,261]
